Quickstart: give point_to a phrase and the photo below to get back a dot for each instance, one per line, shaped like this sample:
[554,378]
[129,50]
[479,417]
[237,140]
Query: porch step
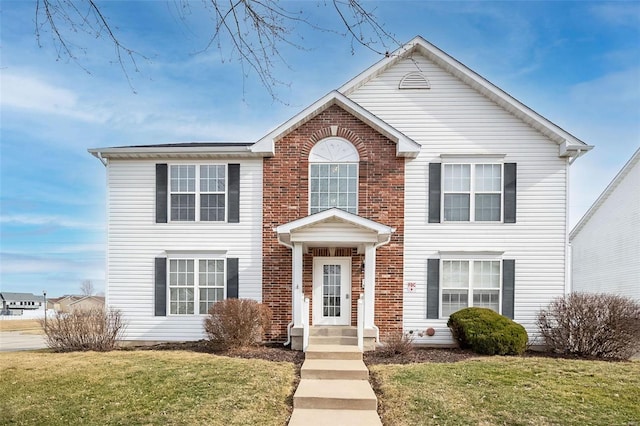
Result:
[333,340]
[335,395]
[344,352]
[333,369]
[333,330]
[311,417]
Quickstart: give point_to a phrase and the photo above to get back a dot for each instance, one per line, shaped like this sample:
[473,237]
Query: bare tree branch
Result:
[252,31]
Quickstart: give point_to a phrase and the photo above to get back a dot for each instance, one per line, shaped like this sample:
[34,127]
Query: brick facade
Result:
[380,198]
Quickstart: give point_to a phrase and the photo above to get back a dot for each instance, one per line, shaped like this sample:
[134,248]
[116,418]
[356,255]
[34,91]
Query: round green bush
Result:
[487,332]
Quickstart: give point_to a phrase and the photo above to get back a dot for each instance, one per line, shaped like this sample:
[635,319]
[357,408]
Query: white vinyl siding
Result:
[606,248]
[451,118]
[135,240]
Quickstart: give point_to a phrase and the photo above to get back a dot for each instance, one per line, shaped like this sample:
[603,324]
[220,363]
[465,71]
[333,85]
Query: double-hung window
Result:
[472,192]
[468,283]
[198,193]
[195,284]
[333,176]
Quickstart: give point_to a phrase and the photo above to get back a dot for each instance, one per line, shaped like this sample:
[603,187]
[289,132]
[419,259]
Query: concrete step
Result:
[333,352]
[333,340]
[333,330]
[335,395]
[334,369]
[311,417]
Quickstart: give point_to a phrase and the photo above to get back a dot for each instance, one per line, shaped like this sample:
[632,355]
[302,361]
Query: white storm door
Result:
[332,291]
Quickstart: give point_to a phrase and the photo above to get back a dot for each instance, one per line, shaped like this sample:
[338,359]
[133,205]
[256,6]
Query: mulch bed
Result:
[279,353]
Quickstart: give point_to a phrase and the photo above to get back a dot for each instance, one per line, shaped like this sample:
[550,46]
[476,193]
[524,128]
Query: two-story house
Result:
[414,190]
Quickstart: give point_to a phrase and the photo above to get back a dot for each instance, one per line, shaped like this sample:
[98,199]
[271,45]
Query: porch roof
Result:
[333,228]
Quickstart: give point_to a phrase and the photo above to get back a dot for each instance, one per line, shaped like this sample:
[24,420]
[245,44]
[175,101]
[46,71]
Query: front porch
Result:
[333,277]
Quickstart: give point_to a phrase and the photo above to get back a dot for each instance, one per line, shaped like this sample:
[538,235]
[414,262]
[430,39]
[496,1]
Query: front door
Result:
[331,291]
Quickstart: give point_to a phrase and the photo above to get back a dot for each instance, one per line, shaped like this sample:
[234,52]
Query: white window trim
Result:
[198,193]
[196,257]
[484,256]
[472,162]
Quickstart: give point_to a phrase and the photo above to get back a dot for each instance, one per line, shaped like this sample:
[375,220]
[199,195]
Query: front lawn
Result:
[510,391]
[143,387]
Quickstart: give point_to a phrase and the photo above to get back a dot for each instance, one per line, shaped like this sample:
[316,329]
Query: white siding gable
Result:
[606,244]
[452,118]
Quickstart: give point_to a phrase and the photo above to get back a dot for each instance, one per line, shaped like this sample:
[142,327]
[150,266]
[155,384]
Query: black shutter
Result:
[234,194]
[161,193]
[508,287]
[161,287]
[433,288]
[232,278]
[510,172]
[435,171]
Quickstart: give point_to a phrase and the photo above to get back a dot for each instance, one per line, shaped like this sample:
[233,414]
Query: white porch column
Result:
[296,285]
[369,284]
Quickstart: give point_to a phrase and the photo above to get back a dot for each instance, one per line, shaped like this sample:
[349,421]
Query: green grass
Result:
[145,387]
[511,391]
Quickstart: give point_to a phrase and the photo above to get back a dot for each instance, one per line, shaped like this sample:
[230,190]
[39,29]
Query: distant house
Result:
[86,303]
[605,244]
[71,302]
[16,303]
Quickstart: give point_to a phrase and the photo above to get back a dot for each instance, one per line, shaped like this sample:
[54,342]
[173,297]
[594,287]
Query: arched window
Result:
[333,176]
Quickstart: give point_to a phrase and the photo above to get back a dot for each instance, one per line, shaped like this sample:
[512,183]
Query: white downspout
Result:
[375,250]
[290,325]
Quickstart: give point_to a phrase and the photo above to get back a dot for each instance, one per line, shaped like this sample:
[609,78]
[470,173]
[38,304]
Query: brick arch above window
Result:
[334,150]
[335,132]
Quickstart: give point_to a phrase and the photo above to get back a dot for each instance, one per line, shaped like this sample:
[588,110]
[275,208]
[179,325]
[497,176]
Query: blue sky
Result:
[576,63]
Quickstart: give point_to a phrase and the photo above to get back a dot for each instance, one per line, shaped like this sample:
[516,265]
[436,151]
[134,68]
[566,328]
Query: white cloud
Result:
[47,220]
[618,13]
[34,95]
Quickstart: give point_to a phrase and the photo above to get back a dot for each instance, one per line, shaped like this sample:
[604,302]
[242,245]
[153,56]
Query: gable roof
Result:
[382,232]
[20,297]
[635,158]
[569,145]
[405,146]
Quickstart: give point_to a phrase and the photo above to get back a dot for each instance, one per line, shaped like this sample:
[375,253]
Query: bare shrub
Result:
[592,325]
[237,323]
[95,329]
[396,343]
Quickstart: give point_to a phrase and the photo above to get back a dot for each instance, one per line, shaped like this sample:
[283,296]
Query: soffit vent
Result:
[414,80]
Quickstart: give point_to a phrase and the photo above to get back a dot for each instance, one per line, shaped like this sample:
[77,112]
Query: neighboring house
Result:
[71,302]
[605,244]
[61,304]
[86,303]
[16,303]
[418,184]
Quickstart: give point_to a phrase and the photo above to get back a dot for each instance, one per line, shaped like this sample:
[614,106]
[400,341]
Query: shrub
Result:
[236,323]
[396,343]
[94,329]
[592,325]
[486,332]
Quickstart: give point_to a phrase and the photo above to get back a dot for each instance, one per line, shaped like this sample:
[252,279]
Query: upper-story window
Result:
[198,193]
[472,192]
[333,176]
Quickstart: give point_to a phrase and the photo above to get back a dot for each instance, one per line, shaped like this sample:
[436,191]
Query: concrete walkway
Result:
[12,341]
[334,389]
